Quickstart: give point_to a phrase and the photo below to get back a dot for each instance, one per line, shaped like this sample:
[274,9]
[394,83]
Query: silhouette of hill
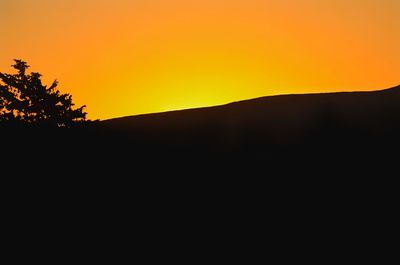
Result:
[306,154]
[284,120]
[332,130]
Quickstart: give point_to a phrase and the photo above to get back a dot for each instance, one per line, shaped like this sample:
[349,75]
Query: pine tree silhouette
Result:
[25,100]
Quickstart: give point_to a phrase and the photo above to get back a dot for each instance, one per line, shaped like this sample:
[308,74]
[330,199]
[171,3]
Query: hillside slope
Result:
[274,120]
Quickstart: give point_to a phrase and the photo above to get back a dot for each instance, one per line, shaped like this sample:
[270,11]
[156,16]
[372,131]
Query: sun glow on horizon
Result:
[122,57]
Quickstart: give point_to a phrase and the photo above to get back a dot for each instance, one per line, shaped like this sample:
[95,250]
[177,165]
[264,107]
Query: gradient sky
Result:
[125,57]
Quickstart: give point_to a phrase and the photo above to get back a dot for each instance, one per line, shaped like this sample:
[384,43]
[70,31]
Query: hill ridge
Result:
[257,99]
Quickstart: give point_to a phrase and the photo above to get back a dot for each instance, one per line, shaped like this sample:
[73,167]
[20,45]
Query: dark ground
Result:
[320,167]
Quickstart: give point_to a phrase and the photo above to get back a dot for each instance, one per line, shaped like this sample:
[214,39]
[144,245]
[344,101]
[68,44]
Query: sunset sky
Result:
[126,57]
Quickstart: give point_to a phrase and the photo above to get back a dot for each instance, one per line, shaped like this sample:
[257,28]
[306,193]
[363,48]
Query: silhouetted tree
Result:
[24,99]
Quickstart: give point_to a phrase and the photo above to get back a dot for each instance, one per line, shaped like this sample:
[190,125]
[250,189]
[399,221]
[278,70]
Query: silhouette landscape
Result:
[304,153]
[202,118]
[325,127]
[310,59]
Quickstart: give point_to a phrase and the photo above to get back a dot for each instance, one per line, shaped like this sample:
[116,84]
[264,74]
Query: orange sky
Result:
[125,57]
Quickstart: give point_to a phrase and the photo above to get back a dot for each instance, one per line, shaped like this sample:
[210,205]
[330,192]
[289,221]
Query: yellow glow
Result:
[125,57]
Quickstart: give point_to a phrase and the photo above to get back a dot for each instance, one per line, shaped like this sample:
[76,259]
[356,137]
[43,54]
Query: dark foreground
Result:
[307,167]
